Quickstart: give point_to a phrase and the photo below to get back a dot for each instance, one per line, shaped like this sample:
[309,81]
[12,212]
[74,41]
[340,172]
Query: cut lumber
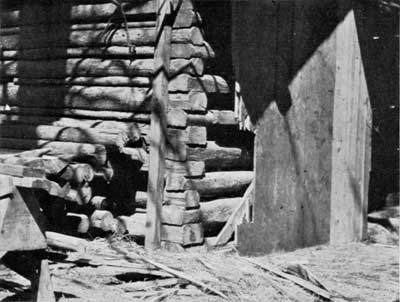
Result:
[214,184]
[236,217]
[131,99]
[178,51]
[103,220]
[78,222]
[175,215]
[73,12]
[62,241]
[21,171]
[66,134]
[42,36]
[188,234]
[118,71]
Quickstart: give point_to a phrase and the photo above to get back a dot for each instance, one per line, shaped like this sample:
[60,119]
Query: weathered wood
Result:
[21,171]
[188,234]
[218,210]
[133,225]
[175,215]
[99,202]
[40,37]
[42,286]
[81,195]
[74,12]
[78,173]
[6,186]
[158,139]
[20,221]
[65,150]
[189,199]
[213,184]
[131,99]
[66,242]
[115,69]
[66,134]
[77,222]
[50,187]
[103,220]
[213,117]
[178,51]
[237,217]
[49,164]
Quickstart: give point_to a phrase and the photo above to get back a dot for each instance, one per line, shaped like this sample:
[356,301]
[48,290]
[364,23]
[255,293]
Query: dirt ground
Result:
[357,272]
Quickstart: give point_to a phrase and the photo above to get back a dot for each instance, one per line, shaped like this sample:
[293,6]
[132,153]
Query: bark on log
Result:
[74,12]
[43,36]
[92,67]
[131,99]
[102,220]
[178,51]
[63,150]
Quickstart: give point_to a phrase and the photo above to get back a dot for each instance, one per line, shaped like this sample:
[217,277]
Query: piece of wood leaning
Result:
[159,101]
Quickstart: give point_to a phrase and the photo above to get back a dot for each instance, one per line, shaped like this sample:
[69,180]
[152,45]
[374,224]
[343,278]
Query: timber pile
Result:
[75,80]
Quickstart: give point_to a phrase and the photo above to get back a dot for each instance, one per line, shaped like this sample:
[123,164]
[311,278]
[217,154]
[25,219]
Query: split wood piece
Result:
[64,150]
[218,157]
[115,72]
[175,117]
[299,281]
[78,173]
[178,51]
[40,37]
[77,222]
[66,134]
[67,11]
[50,187]
[219,210]
[236,217]
[188,234]
[81,195]
[131,99]
[213,184]
[173,272]
[21,171]
[189,199]
[50,164]
[175,215]
[66,242]
[103,220]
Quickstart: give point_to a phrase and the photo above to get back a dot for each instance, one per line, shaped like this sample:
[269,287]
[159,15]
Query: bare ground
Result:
[357,272]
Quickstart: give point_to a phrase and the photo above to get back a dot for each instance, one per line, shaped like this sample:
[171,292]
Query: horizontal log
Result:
[178,51]
[59,36]
[64,150]
[213,184]
[78,173]
[189,199]
[71,70]
[66,134]
[78,223]
[131,99]
[218,157]
[219,210]
[81,196]
[34,13]
[62,241]
[175,117]
[175,215]
[21,171]
[213,117]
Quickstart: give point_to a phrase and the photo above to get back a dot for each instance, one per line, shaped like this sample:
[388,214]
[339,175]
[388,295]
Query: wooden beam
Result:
[159,100]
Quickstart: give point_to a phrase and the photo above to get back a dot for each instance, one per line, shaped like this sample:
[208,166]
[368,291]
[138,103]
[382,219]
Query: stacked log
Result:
[75,78]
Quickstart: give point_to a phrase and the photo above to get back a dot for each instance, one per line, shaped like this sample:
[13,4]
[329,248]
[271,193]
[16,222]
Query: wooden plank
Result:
[158,140]
[40,37]
[178,51]
[187,234]
[129,99]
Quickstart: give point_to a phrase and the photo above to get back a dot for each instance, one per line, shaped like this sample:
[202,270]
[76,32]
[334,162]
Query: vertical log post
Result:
[159,104]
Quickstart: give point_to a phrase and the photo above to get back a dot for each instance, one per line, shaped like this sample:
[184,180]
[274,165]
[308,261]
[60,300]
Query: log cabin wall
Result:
[76,78]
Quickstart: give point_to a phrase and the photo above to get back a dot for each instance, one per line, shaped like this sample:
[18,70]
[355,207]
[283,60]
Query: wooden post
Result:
[158,125]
